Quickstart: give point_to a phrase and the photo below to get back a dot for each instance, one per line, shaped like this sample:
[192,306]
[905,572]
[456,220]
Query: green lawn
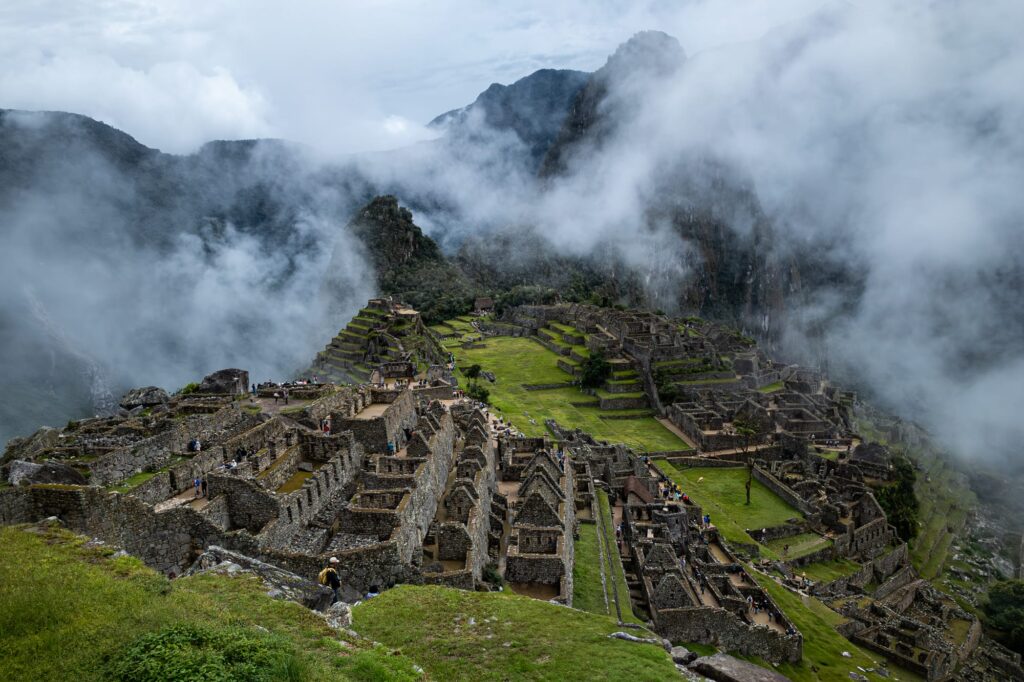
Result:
[772,388]
[827,571]
[66,609]
[799,545]
[721,493]
[588,590]
[518,361]
[459,635]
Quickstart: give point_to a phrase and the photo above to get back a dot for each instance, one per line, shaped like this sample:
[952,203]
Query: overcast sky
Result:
[342,76]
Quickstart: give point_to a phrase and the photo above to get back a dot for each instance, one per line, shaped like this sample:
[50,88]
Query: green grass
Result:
[722,494]
[827,571]
[618,573]
[66,608]
[133,482]
[518,361]
[772,388]
[587,591]
[800,545]
[511,637]
[823,658]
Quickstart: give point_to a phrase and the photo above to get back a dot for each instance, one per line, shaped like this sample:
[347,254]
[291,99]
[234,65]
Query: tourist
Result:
[206,487]
[329,577]
[277,396]
[198,486]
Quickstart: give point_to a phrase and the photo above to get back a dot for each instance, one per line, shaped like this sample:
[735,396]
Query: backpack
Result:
[322,578]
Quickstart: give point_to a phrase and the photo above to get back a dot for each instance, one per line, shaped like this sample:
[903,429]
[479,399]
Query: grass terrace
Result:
[460,635]
[799,545]
[827,571]
[722,494]
[589,593]
[518,361]
[772,388]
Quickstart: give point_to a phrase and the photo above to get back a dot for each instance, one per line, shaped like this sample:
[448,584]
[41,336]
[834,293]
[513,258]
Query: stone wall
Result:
[782,490]
[724,630]
[249,506]
[155,452]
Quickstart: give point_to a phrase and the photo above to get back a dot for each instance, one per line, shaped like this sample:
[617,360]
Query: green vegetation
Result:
[594,371]
[589,593]
[944,498]
[721,493]
[133,481]
[827,571]
[823,658]
[478,392]
[799,545]
[899,501]
[188,388]
[518,361]
[69,610]
[191,652]
[772,388]
[1004,612]
[459,635]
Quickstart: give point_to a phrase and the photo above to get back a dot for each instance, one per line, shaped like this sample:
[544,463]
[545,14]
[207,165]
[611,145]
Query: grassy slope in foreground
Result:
[458,635]
[518,361]
[67,607]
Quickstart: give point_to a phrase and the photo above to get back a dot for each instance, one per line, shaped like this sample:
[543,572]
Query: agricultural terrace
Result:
[516,362]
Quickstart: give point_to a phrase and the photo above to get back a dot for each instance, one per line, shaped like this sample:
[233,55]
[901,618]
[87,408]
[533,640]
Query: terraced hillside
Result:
[380,332]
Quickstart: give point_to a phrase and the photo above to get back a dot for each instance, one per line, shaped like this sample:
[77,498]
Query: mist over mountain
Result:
[850,213]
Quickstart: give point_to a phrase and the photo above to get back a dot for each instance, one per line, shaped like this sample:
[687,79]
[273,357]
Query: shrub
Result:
[188,388]
[188,652]
[594,371]
[478,392]
[1004,611]
[473,371]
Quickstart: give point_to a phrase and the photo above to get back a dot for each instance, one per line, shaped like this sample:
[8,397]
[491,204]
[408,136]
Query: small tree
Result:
[747,432]
[594,371]
[478,392]
[473,371]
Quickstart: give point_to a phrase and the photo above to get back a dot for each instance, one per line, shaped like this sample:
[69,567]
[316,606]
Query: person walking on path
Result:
[329,577]
[206,487]
[197,483]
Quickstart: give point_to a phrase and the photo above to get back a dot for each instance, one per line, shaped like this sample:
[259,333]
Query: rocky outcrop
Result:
[725,668]
[147,396]
[20,472]
[229,381]
[281,584]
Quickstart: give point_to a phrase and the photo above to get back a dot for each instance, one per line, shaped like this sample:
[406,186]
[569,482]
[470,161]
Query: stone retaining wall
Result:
[724,630]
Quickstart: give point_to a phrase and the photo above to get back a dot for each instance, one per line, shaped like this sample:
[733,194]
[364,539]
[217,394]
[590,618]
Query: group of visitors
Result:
[201,487]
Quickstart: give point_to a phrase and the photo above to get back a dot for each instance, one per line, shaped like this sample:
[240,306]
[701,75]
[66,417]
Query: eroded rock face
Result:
[26,448]
[230,381]
[20,472]
[281,584]
[725,668]
[147,396]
